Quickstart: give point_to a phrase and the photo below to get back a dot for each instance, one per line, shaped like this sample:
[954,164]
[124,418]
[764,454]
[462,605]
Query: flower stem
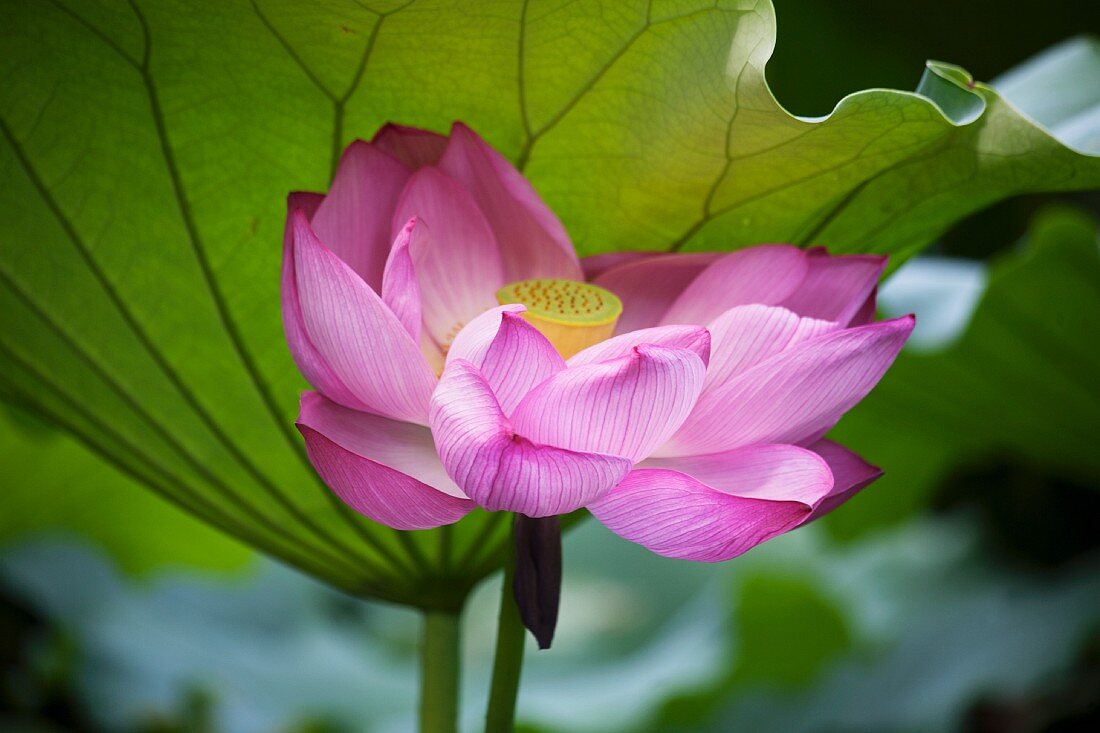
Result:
[508,661]
[439,670]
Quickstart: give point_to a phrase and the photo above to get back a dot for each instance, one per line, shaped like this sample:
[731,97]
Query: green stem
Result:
[439,668]
[508,661]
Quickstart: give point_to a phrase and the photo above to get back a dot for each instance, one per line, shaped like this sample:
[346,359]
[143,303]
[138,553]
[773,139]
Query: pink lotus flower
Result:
[464,357]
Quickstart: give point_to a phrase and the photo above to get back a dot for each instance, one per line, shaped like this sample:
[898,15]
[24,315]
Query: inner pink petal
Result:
[461,268]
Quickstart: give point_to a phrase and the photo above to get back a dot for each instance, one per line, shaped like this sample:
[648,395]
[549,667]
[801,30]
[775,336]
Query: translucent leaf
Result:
[54,485]
[146,149]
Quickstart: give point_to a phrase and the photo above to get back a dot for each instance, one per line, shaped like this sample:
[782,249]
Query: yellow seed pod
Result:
[572,315]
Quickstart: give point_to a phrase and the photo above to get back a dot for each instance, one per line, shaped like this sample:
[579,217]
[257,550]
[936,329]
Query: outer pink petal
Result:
[675,515]
[414,147]
[746,335]
[835,287]
[310,362]
[461,269]
[775,472]
[533,242]
[624,407]
[504,471]
[792,395]
[402,446]
[766,274]
[649,286]
[400,290]
[361,341]
[384,494]
[692,338]
[851,474]
[354,220]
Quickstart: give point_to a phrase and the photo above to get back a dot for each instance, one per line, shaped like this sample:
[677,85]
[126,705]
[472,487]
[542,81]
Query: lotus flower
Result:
[463,356]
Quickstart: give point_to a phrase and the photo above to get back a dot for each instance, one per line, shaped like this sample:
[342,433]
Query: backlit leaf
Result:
[146,149]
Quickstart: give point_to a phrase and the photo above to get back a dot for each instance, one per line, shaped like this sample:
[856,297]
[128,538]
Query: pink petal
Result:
[851,474]
[366,483]
[511,354]
[519,358]
[766,274]
[532,241]
[795,394]
[461,270]
[501,470]
[414,147]
[624,407]
[472,342]
[596,265]
[310,362]
[678,516]
[402,446]
[866,312]
[746,335]
[835,287]
[354,220]
[649,286]
[692,338]
[357,336]
[400,290]
[776,472]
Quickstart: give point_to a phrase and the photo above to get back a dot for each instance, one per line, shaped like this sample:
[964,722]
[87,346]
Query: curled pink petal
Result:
[472,342]
[624,407]
[357,336]
[511,354]
[533,242]
[767,274]
[400,290]
[414,147]
[851,474]
[648,286]
[793,395]
[676,515]
[461,268]
[835,287]
[692,338]
[501,470]
[354,219]
[518,359]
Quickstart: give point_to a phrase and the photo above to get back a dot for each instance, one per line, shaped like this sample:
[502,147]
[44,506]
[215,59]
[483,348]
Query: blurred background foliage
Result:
[960,593]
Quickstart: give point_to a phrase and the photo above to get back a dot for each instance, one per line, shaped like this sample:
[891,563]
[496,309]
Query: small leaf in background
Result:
[775,612]
[785,632]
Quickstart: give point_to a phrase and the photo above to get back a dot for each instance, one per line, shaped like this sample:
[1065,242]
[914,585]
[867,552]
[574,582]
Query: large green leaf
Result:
[1021,382]
[52,484]
[146,149]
